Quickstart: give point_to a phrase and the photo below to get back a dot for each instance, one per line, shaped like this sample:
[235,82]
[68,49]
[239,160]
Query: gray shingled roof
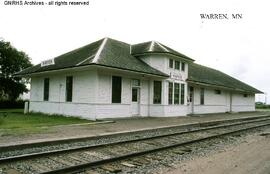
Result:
[155,47]
[112,53]
[105,52]
[206,75]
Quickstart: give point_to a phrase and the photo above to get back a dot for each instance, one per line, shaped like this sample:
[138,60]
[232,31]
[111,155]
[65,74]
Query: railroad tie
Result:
[128,164]
[111,168]
[179,152]
[12,171]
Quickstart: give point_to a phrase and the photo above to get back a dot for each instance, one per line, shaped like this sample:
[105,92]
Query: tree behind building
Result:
[12,61]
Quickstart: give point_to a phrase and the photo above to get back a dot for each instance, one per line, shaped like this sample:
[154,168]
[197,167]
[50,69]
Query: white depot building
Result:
[111,79]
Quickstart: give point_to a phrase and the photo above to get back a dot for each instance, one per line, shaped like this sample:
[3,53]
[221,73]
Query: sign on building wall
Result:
[47,62]
[176,76]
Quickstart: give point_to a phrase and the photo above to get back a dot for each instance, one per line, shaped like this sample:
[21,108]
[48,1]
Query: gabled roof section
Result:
[105,52]
[80,56]
[155,47]
[117,54]
[206,75]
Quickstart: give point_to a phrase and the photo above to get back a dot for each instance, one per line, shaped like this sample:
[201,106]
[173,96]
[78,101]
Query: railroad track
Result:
[36,147]
[84,158]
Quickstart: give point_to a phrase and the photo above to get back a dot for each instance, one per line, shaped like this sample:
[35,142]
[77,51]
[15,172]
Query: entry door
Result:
[191,100]
[135,101]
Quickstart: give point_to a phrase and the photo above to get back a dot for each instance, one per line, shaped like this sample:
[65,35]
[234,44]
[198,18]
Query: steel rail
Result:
[53,152]
[77,139]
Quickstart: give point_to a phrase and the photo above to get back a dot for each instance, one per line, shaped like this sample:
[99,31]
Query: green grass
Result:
[263,110]
[13,121]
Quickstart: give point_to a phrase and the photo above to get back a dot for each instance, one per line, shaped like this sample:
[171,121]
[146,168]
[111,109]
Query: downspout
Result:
[96,94]
[59,98]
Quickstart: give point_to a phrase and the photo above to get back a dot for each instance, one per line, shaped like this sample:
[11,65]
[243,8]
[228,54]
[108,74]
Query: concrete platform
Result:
[117,126]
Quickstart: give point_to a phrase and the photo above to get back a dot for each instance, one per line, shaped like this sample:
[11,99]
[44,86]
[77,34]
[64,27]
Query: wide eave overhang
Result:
[166,53]
[88,65]
[222,87]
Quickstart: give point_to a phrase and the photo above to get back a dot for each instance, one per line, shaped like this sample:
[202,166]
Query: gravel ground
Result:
[169,161]
[128,124]
[110,139]
[193,158]
[196,156]
[240,155]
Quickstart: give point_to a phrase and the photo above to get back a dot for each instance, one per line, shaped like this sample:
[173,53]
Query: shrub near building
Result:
[8,104]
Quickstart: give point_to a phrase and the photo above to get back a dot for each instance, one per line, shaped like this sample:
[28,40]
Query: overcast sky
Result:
[238,47]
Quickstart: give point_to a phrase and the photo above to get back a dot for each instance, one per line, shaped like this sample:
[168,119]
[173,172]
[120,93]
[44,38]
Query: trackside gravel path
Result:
[120,125]
[252,156]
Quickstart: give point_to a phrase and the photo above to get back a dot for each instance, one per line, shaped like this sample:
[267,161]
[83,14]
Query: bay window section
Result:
[171,63]
[183,66]
[177,65]
[176,93]
[182,94]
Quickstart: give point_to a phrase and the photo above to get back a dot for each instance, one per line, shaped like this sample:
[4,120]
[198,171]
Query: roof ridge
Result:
[152,45]
[90,57]
[162,47]
[101,47]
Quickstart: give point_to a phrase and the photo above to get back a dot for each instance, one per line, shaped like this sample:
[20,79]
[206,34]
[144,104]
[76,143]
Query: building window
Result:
[182,94]
[134,94]
[245,95]
[183,66]
[176,93]
[217,91]
[177,65]
[171,63]
[116,89]
[191,89]
[170,97]
[157,92]
[69,88]
[202,96]
[46,89]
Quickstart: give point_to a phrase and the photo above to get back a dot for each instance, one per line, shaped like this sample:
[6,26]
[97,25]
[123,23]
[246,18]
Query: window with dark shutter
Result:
[170,93]
[46,89]
[202,96]
[157,92]
[116,89]
[69,88]
[182,94]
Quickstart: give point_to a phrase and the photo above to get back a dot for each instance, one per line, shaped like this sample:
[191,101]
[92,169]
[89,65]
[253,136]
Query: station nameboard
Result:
[47,62]
[176,76]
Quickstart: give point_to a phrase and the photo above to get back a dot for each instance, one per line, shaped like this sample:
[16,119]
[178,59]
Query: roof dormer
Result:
[154,47]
